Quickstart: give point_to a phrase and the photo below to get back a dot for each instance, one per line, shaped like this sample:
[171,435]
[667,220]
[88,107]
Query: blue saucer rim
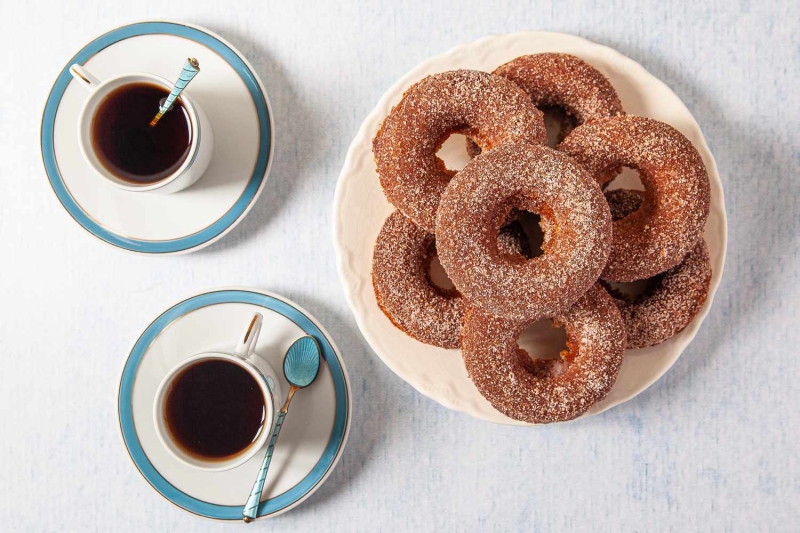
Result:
[261,169]
[330,354]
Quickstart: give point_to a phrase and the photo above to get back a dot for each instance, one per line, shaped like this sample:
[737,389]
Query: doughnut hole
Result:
[624,202]
[632,291]
[438,277]
[453,153]
[533,234]
[558,123]
[532,228]
[531,225]
[542,343]
[628,178]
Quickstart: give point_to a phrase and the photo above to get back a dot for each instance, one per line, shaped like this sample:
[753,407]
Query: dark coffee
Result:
[125,143]
[214,409]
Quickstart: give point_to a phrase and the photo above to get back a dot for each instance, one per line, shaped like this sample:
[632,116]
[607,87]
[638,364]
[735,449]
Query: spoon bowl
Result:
[301,364]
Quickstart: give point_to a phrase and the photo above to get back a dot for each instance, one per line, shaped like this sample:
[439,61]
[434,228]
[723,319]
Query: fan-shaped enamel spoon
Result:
[300,366]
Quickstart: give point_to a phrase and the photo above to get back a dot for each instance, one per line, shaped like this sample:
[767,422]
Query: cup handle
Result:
[84,77]
[249,337]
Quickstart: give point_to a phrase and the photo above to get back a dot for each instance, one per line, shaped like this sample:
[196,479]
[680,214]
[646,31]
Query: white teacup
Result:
[202,135]
[262,373]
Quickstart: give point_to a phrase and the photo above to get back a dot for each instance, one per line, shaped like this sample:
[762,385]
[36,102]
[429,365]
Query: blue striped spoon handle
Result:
[190,70]
[251,507]
[300,368]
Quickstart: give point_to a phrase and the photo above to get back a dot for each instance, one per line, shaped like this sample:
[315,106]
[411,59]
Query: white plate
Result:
[229,91]
[313,435]
[360,209]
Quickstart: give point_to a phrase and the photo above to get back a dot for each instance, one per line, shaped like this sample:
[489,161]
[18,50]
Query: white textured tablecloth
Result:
[711,447]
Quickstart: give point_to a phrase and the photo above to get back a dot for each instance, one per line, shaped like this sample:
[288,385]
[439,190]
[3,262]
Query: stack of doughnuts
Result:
[596,238]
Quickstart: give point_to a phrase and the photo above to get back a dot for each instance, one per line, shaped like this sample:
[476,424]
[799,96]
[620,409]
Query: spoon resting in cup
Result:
[300,366]
[189,71]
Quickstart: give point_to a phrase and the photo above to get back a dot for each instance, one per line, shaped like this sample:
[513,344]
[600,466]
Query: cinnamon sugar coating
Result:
[575,219]
[546,390]
[563,81]
[672,299]
[671,303]
[487,108]
[405,293]
[677,197]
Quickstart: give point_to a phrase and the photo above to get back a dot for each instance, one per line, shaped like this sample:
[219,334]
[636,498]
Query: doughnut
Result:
[541,391]
[565,82]
[677,194]
[672,298]
[575,219]
[401,280]
[670,302]
[489,109]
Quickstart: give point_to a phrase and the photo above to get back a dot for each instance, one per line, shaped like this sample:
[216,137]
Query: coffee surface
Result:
[125,143]
[214,409]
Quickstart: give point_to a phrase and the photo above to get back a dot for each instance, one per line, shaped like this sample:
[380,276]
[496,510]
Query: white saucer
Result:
[360,209]
[313,436]
[229,91]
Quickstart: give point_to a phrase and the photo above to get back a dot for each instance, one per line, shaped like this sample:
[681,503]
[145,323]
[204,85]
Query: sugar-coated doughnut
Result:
[677,194]
[672,298]
[575,219]
[671,301]
[403,288]
[546,390]
[491,110]
[563,81]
